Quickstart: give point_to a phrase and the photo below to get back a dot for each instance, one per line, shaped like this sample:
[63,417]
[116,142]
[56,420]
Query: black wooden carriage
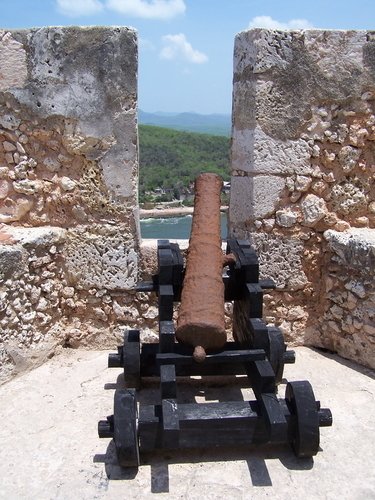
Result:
[259,352]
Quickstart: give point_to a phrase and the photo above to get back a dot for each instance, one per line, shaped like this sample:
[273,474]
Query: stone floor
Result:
[50,449]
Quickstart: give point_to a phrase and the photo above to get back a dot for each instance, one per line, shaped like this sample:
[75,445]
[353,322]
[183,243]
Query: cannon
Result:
[198,345]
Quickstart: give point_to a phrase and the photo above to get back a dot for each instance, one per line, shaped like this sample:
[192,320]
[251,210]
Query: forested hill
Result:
[215,124]
[170,160]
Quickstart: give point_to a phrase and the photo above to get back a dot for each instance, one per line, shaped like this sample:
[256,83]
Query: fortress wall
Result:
[69,235]
[302,187]
[303,169]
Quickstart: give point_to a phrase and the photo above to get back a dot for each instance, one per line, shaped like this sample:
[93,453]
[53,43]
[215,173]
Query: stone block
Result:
[13,262]
[278,75]
[256,152]
[103,258]
[37,237]
[254,197]
[280,258]
[355,248]
[74,103]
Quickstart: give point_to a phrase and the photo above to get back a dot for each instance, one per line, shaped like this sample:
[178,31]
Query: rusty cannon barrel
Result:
[201,316]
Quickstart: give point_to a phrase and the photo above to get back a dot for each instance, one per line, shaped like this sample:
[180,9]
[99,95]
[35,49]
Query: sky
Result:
[186,46]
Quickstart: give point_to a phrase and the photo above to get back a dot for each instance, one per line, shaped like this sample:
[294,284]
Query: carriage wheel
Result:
[304,426]
[125,428]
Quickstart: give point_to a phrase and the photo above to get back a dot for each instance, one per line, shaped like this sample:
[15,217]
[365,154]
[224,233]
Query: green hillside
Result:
[170,160]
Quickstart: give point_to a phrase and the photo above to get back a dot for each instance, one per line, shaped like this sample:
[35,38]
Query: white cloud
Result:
[75,8]
[177,47]
[269,23]
[149,9]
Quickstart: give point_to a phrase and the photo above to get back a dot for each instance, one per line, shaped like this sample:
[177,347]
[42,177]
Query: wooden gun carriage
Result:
[258,352]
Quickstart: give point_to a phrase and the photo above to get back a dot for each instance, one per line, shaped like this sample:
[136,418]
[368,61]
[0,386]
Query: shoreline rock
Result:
[169,212]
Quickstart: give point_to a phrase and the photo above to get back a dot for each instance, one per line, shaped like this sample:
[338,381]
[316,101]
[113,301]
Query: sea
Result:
[171,228]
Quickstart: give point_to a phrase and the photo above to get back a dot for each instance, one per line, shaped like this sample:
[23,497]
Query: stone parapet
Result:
[69,229]
[347,324]
[302,160]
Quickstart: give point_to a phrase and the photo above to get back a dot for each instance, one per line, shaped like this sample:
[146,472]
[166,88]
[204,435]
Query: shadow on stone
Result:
[160,478]
[110,386]
[112,468]
[345,362]
[258,471]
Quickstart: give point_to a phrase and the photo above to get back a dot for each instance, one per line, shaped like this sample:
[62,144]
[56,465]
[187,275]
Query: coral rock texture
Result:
[302,166]
[68,187]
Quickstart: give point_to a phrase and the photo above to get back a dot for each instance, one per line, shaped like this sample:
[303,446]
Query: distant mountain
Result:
[215,124]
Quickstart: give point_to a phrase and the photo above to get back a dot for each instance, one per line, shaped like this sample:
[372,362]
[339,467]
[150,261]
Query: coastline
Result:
[157,213]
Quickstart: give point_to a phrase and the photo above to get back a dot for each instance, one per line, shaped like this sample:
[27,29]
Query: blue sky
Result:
[186,46]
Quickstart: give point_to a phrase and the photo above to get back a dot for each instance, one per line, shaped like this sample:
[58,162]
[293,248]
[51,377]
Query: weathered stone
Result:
[330,178]
[38,237]
[286,218]
[280,259]
[255,197]
[341,225]
[4,171]
[4,189]
[302,183]
[369,329]
[9,158]
[268,224]
[313,130]
[20,148]
[348,198]
[35,294]
[25,186]
[100,314]
[48,287]
[12,62]
[295,313]
[52,164]
[357,288]
[13,211]
[21,170]
[151,313]
[362,221]
[290,184]
[9,122]
[12,262]
[295,196]
[251,152]
[297,282]
[336,311]
[355,248]
[315,151]
[28,317]
[313,209]
[286,329]
[351,301]
[67,184]
[68,292]
[348,158]
[107,260]
[9,147]
[42,305]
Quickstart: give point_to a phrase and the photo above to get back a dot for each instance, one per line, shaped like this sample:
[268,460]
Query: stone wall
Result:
[302,171]
[68,189]
[302,187]
[347,325]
